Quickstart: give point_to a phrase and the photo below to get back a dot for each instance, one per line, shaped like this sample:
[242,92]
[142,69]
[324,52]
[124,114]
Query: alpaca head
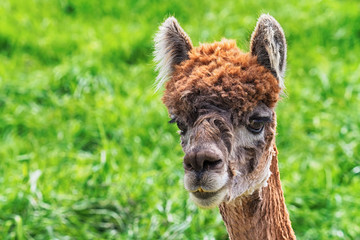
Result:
[223,103]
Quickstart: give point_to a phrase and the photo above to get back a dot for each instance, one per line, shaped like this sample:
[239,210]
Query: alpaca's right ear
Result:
[172,45]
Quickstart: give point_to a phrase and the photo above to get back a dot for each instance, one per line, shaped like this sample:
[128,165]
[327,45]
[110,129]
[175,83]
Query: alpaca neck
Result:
[262,215]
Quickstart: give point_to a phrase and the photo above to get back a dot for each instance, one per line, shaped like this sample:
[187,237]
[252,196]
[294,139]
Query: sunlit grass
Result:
[86,151]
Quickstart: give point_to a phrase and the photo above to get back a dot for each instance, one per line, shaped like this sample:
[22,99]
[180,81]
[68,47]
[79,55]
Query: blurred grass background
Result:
[86,151]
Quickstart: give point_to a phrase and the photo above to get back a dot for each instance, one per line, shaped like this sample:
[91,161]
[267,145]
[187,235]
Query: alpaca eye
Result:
[182,128]
[255,126]
[179,124]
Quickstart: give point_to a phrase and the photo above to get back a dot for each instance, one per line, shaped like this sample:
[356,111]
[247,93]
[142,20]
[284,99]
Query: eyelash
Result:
[257,124]
[172,121]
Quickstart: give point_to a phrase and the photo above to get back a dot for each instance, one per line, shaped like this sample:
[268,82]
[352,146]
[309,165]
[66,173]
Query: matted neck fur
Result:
[223,102]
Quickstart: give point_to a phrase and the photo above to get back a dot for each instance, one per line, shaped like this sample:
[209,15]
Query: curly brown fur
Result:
[220,74]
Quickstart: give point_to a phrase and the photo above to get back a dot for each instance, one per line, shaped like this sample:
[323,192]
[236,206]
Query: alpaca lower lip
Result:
[204,195]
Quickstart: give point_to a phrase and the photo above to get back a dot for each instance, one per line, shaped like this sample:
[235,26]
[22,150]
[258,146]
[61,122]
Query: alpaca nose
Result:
[202,160]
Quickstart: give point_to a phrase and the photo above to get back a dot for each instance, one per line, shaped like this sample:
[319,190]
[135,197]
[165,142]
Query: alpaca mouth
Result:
[201,194]
[207,199]
[204,195]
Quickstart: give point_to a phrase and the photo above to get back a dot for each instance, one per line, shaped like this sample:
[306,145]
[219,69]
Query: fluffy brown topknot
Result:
[219,75]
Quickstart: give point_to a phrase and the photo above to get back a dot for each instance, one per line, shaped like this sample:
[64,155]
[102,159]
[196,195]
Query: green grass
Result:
[86,151]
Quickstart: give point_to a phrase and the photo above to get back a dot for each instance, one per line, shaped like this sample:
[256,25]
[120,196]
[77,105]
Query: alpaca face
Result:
[225,157]
[223,102]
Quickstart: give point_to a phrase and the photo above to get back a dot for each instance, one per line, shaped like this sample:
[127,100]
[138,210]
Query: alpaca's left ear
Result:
[172,45]
[269,45]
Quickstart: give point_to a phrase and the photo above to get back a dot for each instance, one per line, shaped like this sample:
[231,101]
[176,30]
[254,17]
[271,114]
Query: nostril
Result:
[210,164]
[187,166]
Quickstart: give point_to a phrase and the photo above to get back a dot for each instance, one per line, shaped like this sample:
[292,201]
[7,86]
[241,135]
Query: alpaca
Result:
[223,102]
